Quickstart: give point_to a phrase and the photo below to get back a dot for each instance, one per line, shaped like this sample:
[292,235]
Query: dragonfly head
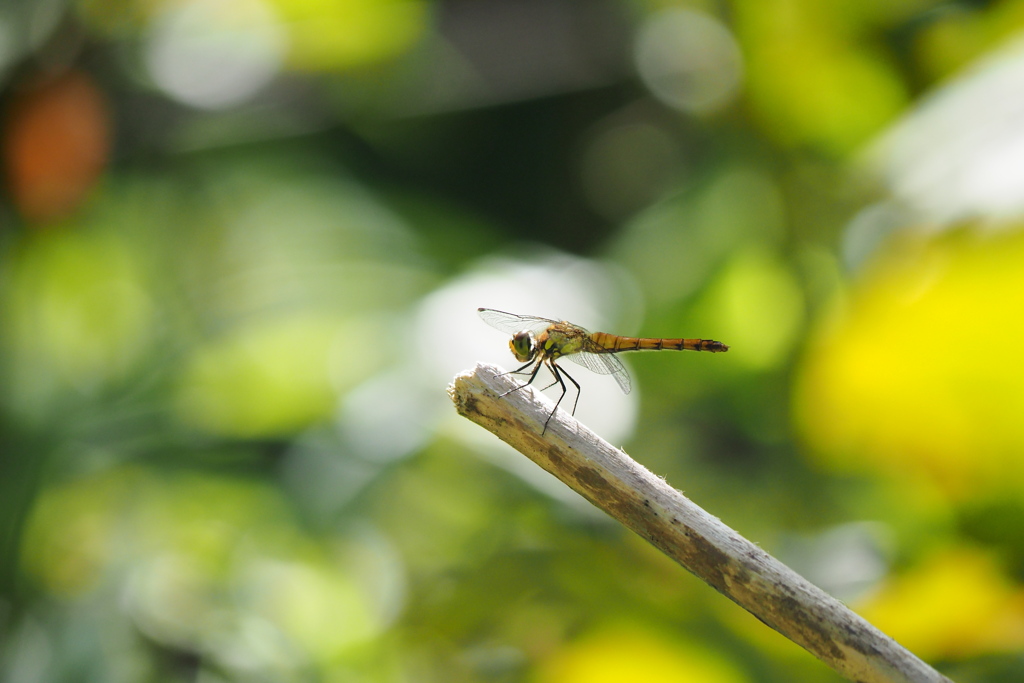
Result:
[523,346]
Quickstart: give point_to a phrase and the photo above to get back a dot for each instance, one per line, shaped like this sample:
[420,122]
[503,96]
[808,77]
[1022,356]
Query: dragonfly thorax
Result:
[523,346]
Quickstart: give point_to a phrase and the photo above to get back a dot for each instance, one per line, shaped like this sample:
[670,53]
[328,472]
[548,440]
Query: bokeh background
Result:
[241,247]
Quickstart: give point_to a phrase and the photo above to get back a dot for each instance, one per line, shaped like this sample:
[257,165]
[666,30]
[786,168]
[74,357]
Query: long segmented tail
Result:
[613,343]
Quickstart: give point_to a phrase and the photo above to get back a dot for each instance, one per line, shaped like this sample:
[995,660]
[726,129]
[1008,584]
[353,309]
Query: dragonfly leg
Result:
[527,383]
[518,371]
[550,385]
[558,372]
[577,384]
[563,386]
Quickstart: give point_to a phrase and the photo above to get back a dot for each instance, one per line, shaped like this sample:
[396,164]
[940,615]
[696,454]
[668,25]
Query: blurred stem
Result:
[700,542]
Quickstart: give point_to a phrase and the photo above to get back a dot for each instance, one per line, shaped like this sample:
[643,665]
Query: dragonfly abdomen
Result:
[613,343]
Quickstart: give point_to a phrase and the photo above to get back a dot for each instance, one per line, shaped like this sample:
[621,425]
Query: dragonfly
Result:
[538,342]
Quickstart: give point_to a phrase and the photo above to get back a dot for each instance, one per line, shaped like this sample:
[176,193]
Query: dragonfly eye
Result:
[522,346]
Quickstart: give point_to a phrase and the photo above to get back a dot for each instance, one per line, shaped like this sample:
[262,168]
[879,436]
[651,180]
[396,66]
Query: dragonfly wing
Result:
[511,323]
[603,364]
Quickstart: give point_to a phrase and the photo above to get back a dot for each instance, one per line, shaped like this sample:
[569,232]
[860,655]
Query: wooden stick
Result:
[700,542]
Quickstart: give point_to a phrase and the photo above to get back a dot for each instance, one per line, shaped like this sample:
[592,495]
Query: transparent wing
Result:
[511,323]
[602,364]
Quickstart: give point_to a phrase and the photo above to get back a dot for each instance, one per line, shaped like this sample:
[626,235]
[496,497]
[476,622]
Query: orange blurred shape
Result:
[56,143]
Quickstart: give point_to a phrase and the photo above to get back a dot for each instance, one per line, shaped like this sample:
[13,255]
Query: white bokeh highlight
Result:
[214,54]
[558,287]
[959,155]
[689,60]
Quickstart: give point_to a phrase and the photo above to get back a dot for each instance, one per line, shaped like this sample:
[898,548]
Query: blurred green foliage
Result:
[240,247]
